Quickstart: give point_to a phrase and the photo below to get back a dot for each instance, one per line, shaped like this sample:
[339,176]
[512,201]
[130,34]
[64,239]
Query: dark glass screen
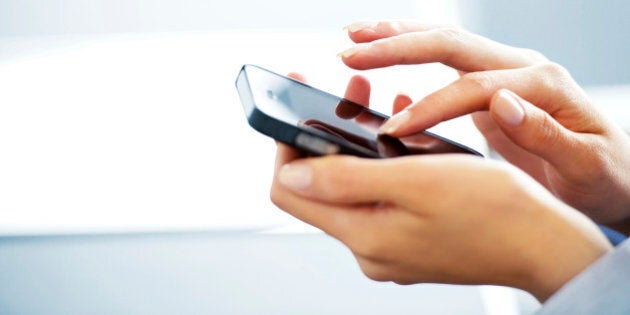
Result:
[299,104]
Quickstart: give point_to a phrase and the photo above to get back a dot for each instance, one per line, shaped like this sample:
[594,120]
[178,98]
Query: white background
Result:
[143,130]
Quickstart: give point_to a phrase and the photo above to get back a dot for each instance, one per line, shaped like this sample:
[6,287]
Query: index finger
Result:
[367,31]
[398,43]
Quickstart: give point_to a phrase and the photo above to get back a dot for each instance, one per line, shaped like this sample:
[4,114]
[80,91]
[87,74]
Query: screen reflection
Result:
[385,145]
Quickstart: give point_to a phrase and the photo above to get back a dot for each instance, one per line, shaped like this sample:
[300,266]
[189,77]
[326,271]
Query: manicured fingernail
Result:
[295,176]
[509,108]
[395,122]
[353,50]
[358,26]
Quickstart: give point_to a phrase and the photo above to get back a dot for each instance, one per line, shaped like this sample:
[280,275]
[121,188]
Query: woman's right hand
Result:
[530,110]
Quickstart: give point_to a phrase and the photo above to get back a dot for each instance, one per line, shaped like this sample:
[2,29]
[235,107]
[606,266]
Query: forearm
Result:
[602,288]
[567,244]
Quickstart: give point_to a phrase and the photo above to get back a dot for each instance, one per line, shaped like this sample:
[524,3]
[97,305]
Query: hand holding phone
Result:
[321,123]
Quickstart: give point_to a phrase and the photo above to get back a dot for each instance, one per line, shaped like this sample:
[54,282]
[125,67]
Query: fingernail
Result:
[395,122]
[358,26]
[509,108]
[295,176]
[353,50]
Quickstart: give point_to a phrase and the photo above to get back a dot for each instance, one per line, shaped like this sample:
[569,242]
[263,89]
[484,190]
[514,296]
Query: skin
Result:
[458,218]
[563,141]
[443,226]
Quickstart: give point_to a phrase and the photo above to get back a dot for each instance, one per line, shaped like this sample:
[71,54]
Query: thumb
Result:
[531,128]
[336,179]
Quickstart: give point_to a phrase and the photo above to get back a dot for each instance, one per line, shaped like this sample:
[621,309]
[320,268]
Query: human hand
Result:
[530,110]
[439,218]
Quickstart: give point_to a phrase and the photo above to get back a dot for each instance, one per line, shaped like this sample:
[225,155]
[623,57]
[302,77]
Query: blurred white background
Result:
[119,115]
[123,115]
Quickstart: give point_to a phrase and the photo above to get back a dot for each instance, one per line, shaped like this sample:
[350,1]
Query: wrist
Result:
[567,251]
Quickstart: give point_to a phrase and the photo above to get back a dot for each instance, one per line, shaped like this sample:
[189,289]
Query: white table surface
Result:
[238,272]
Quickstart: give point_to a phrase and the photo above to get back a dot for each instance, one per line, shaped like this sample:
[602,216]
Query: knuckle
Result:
[374,271]
[505,174]
[368,250]
[534,55]
[554,70]
[479,81]
[375,274]
[371,247]
[547,131]
[509,181]
[451,39]
[452,34]
[597,166]
[390,26]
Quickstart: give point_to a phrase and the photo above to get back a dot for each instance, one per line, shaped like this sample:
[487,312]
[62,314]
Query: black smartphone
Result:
[320,123]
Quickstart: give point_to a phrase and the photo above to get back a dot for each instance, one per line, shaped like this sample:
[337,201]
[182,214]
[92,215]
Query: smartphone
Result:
[321,123]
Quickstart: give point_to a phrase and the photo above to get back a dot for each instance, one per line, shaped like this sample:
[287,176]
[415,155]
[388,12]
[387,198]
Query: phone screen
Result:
[301,105]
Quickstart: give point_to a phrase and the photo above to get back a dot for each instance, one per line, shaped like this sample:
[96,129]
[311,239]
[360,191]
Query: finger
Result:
[338,179]
[367,31]
[297,76]
[358,90]
[347,221]
[533,129]
[401,101]
[470,93]
[285,154]
[510,151]
[334,220]
[373,269]
[544,85]
[350,180]
[451,46]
